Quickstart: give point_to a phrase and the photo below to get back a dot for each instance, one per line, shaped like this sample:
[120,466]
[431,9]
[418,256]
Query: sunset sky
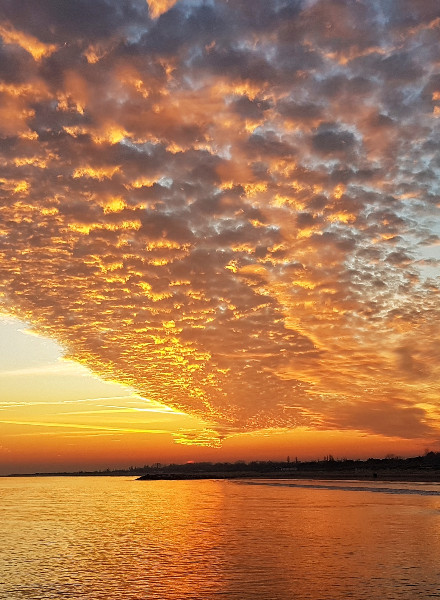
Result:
[219,230]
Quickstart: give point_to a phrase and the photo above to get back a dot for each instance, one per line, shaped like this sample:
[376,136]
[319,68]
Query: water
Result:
[104,538]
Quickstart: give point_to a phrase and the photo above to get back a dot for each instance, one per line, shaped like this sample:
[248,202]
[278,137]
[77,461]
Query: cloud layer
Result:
[232,207]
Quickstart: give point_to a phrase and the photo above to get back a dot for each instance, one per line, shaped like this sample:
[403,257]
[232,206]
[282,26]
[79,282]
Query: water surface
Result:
[105,538]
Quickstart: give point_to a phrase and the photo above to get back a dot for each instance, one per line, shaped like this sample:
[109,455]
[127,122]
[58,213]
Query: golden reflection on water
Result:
[110,538]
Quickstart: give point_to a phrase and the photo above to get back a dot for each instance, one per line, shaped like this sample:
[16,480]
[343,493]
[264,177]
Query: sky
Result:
[219,230]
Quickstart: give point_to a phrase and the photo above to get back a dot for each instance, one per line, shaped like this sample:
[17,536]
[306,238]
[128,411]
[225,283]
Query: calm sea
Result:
[104,538]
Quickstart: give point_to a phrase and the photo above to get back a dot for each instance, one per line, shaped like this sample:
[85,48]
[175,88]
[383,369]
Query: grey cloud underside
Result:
[277,177]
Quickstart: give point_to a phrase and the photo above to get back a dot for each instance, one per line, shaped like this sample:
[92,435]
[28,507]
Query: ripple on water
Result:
[111,538]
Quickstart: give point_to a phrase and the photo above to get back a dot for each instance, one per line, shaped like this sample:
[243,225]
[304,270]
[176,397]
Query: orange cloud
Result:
[158,7]
[31,44]
[234,229]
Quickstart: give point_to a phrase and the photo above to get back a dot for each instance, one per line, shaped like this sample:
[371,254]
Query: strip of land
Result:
[420,468]
[356,475]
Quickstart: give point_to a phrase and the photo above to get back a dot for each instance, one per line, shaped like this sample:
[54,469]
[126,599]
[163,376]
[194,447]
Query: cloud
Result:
[74,426]
[330,142]
[222,206]
[158,7]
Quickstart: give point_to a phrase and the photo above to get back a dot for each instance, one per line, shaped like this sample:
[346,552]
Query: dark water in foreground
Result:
[106,538]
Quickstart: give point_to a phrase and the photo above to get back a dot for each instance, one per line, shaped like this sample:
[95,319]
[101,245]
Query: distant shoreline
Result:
[394,475]
[419,468]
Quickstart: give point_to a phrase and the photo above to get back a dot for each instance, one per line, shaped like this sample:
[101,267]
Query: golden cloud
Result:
[206,220]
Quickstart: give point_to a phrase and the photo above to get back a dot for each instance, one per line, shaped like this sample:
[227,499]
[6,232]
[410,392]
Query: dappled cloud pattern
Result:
[230,206]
